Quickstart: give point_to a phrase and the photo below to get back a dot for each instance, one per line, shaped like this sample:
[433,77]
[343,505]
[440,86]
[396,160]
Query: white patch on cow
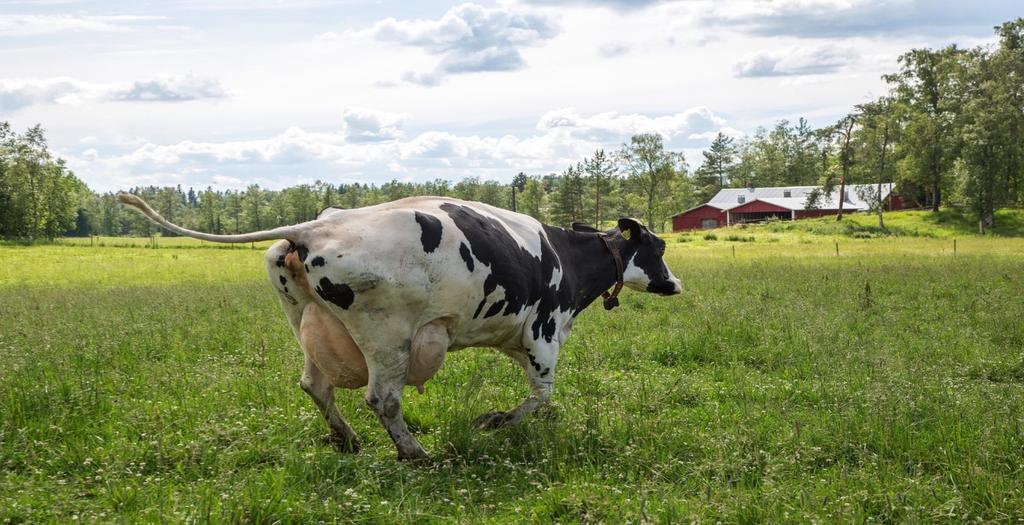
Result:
[635,277]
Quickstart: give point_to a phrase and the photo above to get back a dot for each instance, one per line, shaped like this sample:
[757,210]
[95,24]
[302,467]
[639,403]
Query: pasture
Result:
[785,384]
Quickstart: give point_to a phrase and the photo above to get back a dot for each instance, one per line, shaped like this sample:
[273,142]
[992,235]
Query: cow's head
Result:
[642,253]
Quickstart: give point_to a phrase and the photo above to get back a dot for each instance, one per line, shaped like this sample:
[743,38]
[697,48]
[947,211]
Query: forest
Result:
[949,132]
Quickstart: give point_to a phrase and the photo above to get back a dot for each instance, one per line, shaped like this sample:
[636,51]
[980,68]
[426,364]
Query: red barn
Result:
[744,205]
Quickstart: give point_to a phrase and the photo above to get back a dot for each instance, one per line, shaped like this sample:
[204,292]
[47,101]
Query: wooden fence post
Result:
[954,247]
[837,248]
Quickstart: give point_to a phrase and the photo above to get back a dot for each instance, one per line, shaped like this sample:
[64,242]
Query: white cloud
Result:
[468,38]
[842,18]
[171,89]
[795,61]
[603,126]
[615,4]
[563,137]
[33,25]
[367,125]
[613,49]
[16,93]
[19,93]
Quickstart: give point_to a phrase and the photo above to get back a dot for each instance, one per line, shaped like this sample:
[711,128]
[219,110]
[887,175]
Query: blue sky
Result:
[229,93]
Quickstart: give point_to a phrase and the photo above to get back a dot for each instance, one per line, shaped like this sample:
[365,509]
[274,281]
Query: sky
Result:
[229,93]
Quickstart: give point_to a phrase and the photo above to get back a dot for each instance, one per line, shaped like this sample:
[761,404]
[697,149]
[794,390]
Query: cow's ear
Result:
[580,227]
[631,229]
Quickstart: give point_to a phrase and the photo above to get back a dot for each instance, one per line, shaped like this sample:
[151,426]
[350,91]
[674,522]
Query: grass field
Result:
[786,384]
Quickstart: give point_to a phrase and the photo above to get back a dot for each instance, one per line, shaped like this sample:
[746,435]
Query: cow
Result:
[378,295]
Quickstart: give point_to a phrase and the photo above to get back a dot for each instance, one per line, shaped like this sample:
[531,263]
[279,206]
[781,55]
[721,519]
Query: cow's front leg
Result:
[315,383]
[539,364]
[388,368]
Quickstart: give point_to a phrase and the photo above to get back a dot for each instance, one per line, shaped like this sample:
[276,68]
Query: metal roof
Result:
[796,199]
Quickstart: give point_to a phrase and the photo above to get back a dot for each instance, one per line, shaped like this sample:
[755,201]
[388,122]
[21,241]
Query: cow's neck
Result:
[587,265]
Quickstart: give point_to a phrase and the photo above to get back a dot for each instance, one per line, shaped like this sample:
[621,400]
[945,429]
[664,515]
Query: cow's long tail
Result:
[284,232]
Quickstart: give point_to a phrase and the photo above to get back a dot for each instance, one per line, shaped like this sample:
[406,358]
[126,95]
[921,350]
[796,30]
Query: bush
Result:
[739,238]
[710,237]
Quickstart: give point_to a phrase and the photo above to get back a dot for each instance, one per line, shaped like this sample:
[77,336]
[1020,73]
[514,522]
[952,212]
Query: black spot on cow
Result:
[303,252]
[524,278]
[533,362]
[584,259]
[494,309]
[280,261]
[339,294]
[282,279]
[288,296]
[318,261]
[466,255]
[430,235]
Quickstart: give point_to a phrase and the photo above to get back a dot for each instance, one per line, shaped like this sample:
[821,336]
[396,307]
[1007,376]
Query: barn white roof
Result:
[795,197]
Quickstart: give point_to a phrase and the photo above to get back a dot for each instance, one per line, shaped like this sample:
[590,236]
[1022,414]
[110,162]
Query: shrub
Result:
[710,237]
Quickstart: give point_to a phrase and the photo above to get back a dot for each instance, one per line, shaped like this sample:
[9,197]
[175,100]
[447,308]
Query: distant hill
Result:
[947,223]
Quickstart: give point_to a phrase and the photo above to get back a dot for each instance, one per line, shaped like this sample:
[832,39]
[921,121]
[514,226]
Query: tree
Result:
[600,172]
[38,194]
[210,205]
[567,207]
[168,203]
[984,152]
[876,136]
[532,200]
[925,87]
[719,160]
[519,181]
[845,131]
[233,209]
[650,170]
[467,189]
[253,202]
[494,193]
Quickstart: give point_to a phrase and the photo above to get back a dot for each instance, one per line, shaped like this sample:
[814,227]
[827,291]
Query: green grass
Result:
[785,384]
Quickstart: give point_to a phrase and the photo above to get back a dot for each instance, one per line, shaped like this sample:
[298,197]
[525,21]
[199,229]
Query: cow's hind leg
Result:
[388,366]
[287,276]
[539,364]
[316,384]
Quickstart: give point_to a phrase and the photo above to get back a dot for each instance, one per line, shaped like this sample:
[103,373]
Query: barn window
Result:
[707,224]
[741,199]
[787,194]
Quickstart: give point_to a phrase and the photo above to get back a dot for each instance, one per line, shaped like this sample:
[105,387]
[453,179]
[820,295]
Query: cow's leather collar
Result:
[611,300]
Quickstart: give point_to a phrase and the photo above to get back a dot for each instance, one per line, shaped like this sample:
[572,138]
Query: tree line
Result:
[949,131]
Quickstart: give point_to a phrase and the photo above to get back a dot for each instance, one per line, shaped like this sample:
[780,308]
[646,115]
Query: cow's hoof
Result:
[493,420]
[549,411]
[343,444]
[418,457]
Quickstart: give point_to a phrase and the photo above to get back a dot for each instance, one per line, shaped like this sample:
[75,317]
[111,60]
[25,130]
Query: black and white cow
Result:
[378,295]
